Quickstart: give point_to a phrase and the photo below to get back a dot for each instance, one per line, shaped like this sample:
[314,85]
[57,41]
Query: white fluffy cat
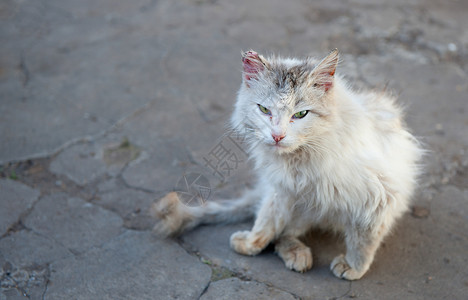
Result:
[325,155]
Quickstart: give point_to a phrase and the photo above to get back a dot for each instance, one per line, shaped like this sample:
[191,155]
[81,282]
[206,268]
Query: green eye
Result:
[264,110]
[301,114]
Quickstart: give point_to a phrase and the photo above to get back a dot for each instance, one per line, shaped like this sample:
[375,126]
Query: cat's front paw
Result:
[295,254]
[241,242]
[299,260]
[341,269]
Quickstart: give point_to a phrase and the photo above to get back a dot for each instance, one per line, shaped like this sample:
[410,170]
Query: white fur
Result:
[349,165]
[361,160]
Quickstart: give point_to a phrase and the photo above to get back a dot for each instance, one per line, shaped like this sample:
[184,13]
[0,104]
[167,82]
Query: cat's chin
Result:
[280,148]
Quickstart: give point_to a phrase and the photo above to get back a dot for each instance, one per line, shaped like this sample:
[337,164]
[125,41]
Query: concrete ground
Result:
[105,105]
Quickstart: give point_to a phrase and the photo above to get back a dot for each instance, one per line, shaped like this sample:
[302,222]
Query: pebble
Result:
[445,180]
[452,47]
[420,212]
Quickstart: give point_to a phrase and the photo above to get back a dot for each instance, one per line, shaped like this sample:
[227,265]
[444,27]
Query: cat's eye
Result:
[301,114]
[264,110]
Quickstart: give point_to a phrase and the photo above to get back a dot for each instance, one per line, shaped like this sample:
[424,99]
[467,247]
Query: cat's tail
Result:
[174,216]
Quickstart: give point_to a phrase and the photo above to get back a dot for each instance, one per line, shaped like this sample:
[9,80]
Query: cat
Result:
[325,155]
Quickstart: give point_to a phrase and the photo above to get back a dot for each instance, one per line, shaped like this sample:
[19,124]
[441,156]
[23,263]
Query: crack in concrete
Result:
[43,180]
[346,293]
[16,287]
[136,188]
[83,139]
[30,273]
[204,290]
[72,253]
[193,252]
[18,225]
[47,281]
[278,288]
[45,289]
[24,70]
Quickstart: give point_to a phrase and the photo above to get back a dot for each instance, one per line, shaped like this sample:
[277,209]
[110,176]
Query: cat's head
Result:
[285,104]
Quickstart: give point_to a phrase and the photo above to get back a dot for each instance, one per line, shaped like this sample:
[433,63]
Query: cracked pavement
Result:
[104,105]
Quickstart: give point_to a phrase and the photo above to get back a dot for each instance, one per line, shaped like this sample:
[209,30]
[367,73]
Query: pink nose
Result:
[277,137]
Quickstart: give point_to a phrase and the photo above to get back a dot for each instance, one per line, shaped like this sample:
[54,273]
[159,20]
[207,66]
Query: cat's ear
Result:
[253,64]
[323,74]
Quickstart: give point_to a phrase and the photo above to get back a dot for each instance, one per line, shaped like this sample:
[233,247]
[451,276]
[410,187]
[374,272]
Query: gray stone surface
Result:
[24,259]
[213,242]
[29,282]
[26,248]
[86,162]
[80,163]
[53,94]
[120,99]
[233,288]
[161,169]
[73,222]
[15,199]
[131,205]
[133,265]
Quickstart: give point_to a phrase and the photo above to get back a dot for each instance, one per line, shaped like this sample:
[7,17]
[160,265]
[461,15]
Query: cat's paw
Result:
[297,258]
[242,243]
[170,214]
[341,269]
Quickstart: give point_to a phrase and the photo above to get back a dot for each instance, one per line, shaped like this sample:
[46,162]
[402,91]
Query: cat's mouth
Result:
[276,144]
[280,147]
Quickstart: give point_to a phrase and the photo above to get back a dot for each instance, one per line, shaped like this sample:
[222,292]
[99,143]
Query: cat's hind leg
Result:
[174,216]
[295,254]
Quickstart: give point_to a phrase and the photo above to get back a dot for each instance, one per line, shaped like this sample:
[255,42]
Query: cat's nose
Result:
[277,137]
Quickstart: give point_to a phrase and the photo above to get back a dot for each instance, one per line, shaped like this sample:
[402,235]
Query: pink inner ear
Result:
[326,79]
[252,64]
[325,71]
[328,84]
